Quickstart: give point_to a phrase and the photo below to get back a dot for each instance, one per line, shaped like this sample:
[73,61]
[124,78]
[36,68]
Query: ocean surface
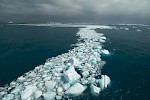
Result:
[129,63]
[24,47]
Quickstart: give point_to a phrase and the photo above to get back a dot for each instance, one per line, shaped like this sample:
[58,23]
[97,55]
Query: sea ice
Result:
[60,90]
[49,95]
[16,91]
[21,79]
[68,74]
[75,90]
[105,52]
[58,97]
[101,40]
[107,81]
[103,37]
[85,73]
[73,61]
[91,80]
[37,94]
[50,85]
[30,91]
[8,97]
[66,86]
[126,28]
[94,90]
[104,81]
[138,30]
[71,76]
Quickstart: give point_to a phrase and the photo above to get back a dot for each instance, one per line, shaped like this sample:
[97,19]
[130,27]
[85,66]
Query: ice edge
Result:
[67,75]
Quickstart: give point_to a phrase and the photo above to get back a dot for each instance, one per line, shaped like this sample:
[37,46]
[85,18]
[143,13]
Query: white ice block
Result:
[94,90]
[75,90]
[71,76]
[49,95]
[105,52]
[50,85]
[104,82]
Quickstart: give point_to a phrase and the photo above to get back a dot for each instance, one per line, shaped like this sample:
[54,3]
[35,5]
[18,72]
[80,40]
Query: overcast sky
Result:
[84,11]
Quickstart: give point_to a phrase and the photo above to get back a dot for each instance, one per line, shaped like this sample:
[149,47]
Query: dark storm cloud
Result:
[100,11]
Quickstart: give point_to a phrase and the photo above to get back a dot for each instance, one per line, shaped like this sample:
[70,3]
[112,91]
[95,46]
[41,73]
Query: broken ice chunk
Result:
[49,95]
[75,90]
[85,73]
[8,97]
[47,78]
[138,30]
[30,91]
[94,90]
[48,65]
[91,80]
[104,81]
[105,52]
[71,76]
[60,90]
[58,97]
[37,94]
[50,85]
[16,90]
[96,47]
[59,66]
[126,28]
[21,79]
[103,37]
[101,40]
[73,61]
[66,86]
[2,93]
[107,81]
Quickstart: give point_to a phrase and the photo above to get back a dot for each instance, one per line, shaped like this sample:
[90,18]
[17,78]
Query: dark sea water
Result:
[24,47]
[129,63]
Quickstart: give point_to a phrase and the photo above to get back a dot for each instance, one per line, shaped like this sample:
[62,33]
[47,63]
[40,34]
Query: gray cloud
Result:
[93,11]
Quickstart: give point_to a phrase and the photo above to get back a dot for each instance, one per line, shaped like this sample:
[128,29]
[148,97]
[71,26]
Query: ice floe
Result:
[67,75]
[125,28]
[49,95]
[31,91]
[105,52]
[75,90]
[71,76]
[104,82]
[95,90]
[138,30]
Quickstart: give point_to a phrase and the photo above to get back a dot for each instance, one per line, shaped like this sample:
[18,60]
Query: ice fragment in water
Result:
[50,85]
[71,76]
[105,52]
[94,90]
[75,90]
[49,95]
[104,81]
